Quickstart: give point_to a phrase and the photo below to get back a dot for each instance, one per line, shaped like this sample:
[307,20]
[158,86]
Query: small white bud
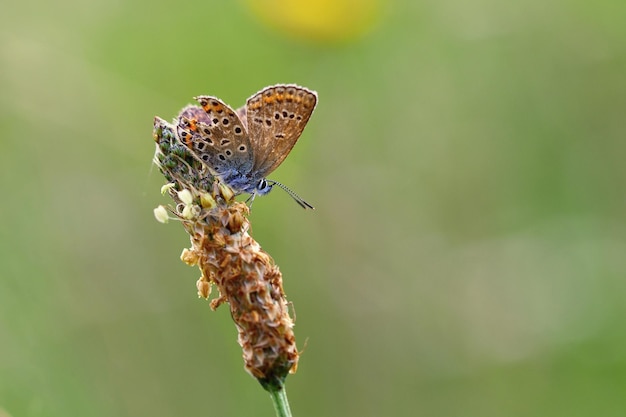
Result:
[167,187]
[160,213]
[185,196]
[188,212]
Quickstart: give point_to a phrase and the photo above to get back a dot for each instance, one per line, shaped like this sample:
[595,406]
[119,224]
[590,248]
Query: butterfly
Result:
[242,147]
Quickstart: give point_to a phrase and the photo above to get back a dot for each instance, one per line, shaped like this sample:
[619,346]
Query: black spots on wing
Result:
[284,114]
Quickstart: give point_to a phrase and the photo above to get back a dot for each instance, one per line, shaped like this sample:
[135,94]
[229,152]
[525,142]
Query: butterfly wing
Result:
[276,117]
[217,136]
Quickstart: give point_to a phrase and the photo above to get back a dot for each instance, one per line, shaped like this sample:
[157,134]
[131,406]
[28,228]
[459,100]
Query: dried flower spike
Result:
[227,256]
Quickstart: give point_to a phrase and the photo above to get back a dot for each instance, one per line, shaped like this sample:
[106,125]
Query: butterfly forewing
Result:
[276,117]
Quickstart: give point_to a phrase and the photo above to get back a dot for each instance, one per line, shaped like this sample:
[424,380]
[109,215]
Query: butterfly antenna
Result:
[293,195]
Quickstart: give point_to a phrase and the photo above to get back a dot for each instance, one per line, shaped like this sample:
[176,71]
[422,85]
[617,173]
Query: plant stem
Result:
[281,404]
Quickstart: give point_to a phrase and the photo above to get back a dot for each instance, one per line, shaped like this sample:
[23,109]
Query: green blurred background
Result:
[468,252]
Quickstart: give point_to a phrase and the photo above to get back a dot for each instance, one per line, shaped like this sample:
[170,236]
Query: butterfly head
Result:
[263,186]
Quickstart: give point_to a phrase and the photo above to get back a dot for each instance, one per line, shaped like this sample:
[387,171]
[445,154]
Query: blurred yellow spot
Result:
[319,20]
